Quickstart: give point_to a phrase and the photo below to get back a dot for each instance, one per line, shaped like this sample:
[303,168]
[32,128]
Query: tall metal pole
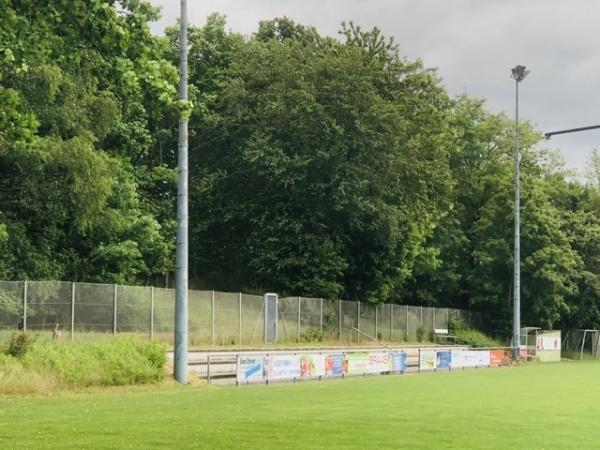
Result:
[519,73]
[517,249]
[181,274]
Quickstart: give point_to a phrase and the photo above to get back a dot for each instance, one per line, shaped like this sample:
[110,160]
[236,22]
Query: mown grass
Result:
[531,407]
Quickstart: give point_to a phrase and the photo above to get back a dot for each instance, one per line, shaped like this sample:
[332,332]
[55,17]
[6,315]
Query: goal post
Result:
[582,344]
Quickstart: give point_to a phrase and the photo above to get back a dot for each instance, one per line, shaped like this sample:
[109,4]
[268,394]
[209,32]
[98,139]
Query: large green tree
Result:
[319,166]
[85,195]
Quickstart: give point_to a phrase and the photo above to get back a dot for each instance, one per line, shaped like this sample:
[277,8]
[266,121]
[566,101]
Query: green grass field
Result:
[533,407]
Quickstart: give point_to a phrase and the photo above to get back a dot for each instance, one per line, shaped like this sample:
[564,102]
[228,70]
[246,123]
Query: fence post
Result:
[376,322]
[406,306]
[72,310]
[151,313]
[358,321]
[212,318]
[240,319]
[340,319]
[421,319]
[208,368]
[433,319]
[299,306]
[25,305]
[391,321]
[321,321]
[115,311]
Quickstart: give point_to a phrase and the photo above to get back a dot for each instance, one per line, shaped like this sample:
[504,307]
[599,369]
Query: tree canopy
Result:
[319,166]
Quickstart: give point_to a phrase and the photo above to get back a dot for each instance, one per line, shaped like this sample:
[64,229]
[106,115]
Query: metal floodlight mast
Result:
[519,73]
[181,272]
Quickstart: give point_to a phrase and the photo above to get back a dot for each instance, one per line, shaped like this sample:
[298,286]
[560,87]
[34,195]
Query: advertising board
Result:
[398,361]
[427,360]
[548,343]
[335,365]
[470,358]
[378,362]
[283,367]
[250,368]
[358,363]
[499,357]
[312,365]
[548,348]
[443,359]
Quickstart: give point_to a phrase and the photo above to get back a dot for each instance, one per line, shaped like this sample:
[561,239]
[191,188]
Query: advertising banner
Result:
[283,367]
[312,365]
[358,363]
[378,362]
[498,357]
[523,351]
[335,365]
[250,369]
[458,359]
[398,362]
[470,358]
[482,357]
[443,359]
[548,343]
[427,360]
[548,346]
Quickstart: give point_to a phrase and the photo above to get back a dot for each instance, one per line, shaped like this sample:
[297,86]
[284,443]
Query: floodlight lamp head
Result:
[519,72]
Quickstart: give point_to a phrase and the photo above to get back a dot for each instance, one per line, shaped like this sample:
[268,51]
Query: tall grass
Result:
[470,336]
[39,364]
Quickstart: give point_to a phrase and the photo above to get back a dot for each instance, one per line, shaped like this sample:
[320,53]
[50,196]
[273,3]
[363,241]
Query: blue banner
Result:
[443,359]
[336,364]
[398,361]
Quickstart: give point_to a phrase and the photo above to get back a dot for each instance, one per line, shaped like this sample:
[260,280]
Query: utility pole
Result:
[181,272]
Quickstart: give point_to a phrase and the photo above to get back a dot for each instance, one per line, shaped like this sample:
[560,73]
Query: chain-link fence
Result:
[91,311]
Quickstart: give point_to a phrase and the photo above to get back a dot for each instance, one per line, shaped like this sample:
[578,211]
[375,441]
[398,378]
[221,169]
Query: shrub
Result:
[474,338]
[456,323]
[420,333]
[312,335]
[19,343]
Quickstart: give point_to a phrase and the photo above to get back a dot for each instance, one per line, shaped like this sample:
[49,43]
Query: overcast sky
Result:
[473,43]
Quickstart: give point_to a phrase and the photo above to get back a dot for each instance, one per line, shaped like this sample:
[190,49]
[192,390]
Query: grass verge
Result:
[38,364]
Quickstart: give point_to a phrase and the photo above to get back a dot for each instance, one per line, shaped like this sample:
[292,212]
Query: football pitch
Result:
[533,407]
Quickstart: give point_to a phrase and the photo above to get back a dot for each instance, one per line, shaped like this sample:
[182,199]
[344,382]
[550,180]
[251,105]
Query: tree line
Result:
[327,167]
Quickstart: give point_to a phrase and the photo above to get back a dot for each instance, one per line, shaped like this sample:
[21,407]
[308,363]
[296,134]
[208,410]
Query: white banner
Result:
[470,358]
[378,362]
[477,358]
[312,365]
[250,368]
[427,360]
[283,367]
[548,343]
[458,359]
